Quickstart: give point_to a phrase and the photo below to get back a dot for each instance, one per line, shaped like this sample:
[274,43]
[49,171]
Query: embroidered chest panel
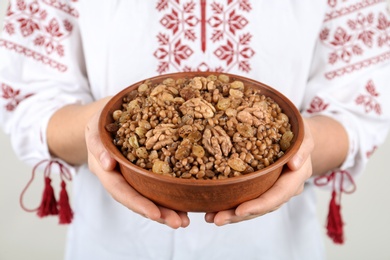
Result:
[191,30]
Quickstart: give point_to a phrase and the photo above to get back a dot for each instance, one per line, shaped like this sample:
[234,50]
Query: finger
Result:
[269,202]
[122,192]
[222,217]
[225,217]
[287,186]
[95,146]
[172,218]
[209,217]
[185,220]
[304,151]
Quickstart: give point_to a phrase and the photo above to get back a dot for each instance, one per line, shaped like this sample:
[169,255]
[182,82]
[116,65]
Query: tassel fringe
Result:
[49,205]
[335,224]
[65,212]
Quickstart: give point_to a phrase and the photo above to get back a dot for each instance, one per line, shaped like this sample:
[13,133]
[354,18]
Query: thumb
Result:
[304,151]
[95,146]
[106,161]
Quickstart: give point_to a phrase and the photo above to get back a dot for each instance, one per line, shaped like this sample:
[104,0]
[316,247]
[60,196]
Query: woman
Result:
[61,60]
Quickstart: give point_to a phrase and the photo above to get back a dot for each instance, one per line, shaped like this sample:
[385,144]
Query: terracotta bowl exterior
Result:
[201,195]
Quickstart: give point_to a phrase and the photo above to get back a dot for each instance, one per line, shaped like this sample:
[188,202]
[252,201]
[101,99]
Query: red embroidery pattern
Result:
[172,21]
[33,54]
[371,152]
[368,101]
[13,96]
[183,19]
[360,36]
[358,66]
[349,9]
[333,3]
[317,105]
[63,7]
[181,22]
[31,19]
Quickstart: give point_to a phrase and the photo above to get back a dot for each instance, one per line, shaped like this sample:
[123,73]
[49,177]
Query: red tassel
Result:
[48,204]
[65,211]
[335,221]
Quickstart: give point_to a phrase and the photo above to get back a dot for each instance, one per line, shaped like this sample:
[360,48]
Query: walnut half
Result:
[198,107]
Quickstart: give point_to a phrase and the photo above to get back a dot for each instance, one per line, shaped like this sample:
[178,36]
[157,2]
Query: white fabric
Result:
[328,57]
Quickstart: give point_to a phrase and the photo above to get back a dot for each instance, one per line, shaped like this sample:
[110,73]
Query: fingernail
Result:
[297,162]
[226,222]
[245,215]
[105,160]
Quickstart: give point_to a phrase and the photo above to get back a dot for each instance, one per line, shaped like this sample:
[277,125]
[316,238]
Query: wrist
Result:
[65,131]
[330,143]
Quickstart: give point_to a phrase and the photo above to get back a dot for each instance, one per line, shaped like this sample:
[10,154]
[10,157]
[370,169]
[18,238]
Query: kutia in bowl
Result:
[200,141]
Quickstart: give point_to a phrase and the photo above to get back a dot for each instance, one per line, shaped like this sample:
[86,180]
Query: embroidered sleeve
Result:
[350,76]
[41,70]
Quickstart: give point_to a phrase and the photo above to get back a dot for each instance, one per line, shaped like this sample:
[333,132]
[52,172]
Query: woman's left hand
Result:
[289,184]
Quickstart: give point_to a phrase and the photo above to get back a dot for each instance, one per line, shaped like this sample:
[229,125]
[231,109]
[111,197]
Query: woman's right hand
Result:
[104,167]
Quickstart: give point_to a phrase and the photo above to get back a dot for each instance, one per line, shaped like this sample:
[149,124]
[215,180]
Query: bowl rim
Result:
[121,160]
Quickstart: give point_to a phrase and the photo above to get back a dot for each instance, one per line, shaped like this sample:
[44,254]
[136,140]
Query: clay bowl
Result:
[193,195]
